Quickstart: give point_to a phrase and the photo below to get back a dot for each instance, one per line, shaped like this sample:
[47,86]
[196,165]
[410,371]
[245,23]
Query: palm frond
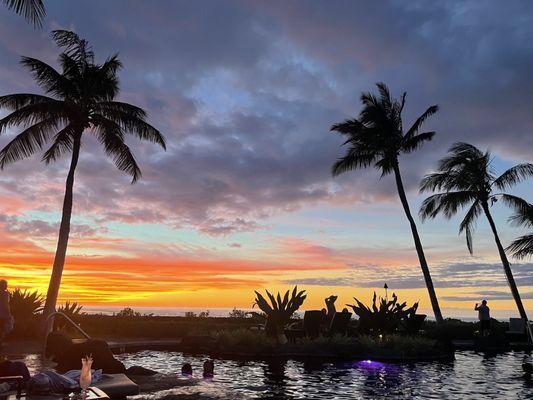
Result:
[27,142]
[412,143]
[522,247]
[434,181]
[111,136]
[513,176]
[76,47]
[32,10]
[458,154]
[62,142]
[516,203]
[134,125]
[112,106]
[48,77]
[19,100]
[468,223]
[34,113]
[523,217]
[352,161]
[445,203]
[420,120]
[347,127]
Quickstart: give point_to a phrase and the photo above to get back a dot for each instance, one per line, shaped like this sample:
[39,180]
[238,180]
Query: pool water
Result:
[470,376]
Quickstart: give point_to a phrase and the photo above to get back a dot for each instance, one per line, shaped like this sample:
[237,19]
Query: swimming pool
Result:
[469,376]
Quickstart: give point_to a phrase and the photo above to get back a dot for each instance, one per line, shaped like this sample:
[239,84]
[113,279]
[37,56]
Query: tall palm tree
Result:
[32,10]
[467,179]
[80,99]
[377,138]
[522,247]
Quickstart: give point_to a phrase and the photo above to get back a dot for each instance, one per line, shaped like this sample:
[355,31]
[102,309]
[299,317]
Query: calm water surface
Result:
[470,376]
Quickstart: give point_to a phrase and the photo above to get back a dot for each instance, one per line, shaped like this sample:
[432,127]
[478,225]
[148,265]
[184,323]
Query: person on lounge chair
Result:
[209,369]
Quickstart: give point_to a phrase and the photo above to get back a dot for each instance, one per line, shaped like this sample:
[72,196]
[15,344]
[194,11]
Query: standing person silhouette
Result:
[6,321]
[484,317]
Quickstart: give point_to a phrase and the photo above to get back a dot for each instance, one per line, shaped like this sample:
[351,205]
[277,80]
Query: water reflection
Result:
[469,376]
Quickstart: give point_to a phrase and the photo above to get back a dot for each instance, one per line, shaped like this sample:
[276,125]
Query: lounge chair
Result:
[93,393]
[517,330]
[413,324]
[309,327]
[339,323]
[18,380]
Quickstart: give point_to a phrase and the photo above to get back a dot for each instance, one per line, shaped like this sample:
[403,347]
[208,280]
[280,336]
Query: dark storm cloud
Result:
[246,91]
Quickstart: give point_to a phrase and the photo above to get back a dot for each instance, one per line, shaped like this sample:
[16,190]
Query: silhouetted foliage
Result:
[72,310]
[236,313]
[466,178]
[522,247]
[78,99]
[25,304]
[279,310]
[383,316]
[128,312]
[376,138]
[32,10]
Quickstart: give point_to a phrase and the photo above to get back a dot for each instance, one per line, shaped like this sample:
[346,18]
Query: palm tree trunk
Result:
[64,231]
[418,246]
[506,265]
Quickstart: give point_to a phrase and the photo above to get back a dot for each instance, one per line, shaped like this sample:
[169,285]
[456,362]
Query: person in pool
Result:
[186,370]
[209,368]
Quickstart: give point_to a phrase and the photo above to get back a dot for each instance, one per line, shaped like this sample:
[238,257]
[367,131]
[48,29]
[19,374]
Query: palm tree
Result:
[522,247]
[467,179]
[377,138]
[32,10]
[80,99]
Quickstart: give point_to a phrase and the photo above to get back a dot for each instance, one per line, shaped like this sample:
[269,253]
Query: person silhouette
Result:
[6,320]
[209,369]
[484,317]
[186,370]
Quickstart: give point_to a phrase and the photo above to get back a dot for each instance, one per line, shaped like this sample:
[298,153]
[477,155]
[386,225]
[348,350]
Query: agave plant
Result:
[25,304]
[384,316]
[280,310]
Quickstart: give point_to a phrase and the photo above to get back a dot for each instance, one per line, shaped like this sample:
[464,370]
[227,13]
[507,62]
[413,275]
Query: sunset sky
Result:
[243,198]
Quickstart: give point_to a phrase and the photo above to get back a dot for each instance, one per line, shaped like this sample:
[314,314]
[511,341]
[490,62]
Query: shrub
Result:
[72,310]
[400,346]
[25,304]
[128,312]
[383,319]
[244,340]
[235,313]
[279,311]
[26,308]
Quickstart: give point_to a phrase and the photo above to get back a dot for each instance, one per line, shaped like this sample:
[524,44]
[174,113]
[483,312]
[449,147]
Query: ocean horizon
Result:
[224,312]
